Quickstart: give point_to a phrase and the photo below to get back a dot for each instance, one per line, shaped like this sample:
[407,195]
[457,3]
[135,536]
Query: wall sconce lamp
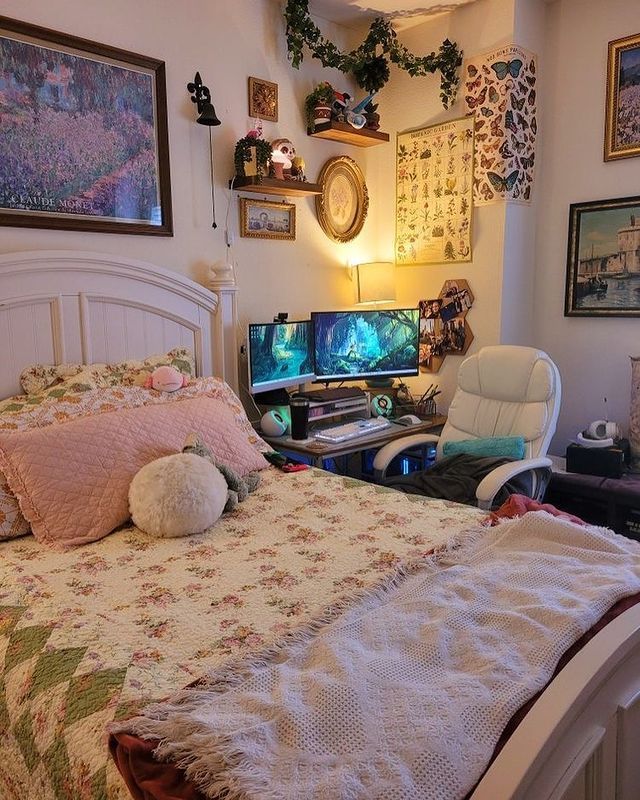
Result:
[201,96]
[376,282]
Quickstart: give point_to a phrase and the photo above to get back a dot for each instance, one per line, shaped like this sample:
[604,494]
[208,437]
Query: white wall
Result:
[592,353]
[407,103]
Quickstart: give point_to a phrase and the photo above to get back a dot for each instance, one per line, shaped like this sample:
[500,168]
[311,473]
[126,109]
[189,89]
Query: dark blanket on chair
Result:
[456,478]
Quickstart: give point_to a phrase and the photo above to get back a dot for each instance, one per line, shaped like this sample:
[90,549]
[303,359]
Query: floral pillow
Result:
[62,404]
[37,378]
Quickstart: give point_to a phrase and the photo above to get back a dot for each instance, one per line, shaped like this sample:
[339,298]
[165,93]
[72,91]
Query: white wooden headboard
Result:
[61,306]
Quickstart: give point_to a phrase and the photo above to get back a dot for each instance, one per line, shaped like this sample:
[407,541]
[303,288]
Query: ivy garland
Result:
[369,67]
[242,154]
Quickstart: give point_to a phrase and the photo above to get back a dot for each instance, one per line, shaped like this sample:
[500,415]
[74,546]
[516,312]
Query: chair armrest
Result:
[386,454]
[490,485]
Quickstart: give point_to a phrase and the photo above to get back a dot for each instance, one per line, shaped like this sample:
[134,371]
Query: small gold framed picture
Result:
[264,219]
[263,99]
[622,126]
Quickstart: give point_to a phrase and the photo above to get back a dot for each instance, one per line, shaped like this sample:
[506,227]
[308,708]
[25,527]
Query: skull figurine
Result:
[282,154]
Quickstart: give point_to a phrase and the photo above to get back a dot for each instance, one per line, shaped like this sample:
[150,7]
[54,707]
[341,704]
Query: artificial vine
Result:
[368,63]
[242,154]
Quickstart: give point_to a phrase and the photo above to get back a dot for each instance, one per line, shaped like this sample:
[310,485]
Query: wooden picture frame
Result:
[344,200]
[266,219]
[622,114]
[109,106]
[263,99]
[603,259]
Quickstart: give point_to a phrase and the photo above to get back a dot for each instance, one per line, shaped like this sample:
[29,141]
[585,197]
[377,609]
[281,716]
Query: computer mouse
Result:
[408,419]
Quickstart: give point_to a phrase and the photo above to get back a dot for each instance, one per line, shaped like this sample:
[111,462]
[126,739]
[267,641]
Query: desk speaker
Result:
[273,423]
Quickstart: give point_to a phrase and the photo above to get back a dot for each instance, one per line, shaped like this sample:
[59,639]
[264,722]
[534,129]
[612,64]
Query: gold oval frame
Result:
[345,170]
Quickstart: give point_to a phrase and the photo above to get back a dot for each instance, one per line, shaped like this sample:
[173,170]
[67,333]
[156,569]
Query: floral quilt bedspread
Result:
[91,635]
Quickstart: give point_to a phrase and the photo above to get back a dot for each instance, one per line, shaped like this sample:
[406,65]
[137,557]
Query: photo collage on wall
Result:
[443,326]
[434,193]
[500,90]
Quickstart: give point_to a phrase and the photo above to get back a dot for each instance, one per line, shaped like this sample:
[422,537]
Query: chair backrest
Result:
[505,390]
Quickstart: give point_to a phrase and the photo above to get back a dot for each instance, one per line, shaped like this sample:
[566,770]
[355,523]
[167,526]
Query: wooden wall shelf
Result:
[262,185]
[345,133]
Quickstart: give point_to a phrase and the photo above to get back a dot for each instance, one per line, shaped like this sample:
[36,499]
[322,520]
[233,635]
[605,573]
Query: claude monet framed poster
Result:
[83,135]
[603,261]
[622,125]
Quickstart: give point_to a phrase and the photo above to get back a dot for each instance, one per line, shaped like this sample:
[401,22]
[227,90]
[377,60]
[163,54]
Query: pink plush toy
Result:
[166,379]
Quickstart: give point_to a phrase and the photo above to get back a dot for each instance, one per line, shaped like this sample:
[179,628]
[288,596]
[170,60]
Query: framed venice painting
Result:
[622,125]
[603,262]
[83,135]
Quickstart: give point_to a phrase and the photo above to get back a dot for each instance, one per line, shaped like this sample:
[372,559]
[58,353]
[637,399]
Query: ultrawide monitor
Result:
[280,355]
[358,345]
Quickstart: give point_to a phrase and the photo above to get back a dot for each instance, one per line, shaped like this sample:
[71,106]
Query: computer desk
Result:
[317,452]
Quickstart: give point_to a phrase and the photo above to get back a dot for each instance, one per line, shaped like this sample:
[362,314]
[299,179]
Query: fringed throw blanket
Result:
[405,693]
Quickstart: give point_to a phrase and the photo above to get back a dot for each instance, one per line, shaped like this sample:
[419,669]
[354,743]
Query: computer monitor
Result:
[280,355]
[359,345]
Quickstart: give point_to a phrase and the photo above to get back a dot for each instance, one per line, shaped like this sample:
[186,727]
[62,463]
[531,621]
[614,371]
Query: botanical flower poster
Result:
[500,89]
[434,193]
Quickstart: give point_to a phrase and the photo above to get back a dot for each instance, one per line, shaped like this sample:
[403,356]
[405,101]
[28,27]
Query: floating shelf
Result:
[262,185]
[347,134]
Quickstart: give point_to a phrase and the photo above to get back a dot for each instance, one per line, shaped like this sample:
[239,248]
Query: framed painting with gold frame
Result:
[265,219]
[622,117]
[263,99]
[344,201]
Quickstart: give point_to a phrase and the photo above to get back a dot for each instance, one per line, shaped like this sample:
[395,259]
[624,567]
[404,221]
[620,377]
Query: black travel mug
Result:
[299,417]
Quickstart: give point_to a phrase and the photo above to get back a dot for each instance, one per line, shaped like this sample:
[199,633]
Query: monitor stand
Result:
[379,383]
[329,395]
[275,397]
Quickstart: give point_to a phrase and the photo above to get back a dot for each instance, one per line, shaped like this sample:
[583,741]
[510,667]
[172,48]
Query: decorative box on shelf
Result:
[263,185]
[347,134]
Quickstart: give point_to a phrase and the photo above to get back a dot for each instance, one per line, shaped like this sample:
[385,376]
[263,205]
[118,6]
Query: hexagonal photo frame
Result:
[444,329]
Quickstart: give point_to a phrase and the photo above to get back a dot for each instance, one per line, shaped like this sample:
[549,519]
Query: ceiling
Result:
[403,13]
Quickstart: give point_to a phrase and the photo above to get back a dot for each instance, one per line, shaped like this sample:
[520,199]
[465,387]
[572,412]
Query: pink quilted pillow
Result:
[72,480]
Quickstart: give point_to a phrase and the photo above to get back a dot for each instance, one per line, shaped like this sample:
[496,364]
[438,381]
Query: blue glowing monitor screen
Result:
[280,355]
[365,344]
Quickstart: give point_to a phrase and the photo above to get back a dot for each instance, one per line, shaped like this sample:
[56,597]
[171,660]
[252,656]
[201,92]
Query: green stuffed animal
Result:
[239,488]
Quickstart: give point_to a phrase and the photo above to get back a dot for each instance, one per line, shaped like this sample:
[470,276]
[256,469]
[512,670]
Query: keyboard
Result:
[352,430]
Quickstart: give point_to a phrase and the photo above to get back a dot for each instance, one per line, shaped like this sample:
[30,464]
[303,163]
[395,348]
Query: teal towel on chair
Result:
[506,446]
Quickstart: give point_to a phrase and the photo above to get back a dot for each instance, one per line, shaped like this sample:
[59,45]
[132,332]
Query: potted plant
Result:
[251,157]
[372,116]
[318,104]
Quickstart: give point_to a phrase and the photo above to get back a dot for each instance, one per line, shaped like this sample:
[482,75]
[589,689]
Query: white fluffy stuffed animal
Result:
[177,495]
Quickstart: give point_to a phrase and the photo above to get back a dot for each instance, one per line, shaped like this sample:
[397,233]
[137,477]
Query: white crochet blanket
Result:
[403,695]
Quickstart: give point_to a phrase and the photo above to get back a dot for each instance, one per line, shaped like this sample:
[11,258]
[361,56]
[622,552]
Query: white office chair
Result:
[502,391]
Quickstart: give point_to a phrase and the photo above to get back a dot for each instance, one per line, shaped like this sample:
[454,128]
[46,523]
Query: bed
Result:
[93,635]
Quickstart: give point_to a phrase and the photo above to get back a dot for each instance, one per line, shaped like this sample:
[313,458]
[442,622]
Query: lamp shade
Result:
[376,282]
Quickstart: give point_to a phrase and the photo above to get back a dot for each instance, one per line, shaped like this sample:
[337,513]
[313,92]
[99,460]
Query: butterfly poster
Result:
[500,90]
[434,193]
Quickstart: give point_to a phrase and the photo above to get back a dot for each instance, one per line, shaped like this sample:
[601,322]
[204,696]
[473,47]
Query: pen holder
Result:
[426,409]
